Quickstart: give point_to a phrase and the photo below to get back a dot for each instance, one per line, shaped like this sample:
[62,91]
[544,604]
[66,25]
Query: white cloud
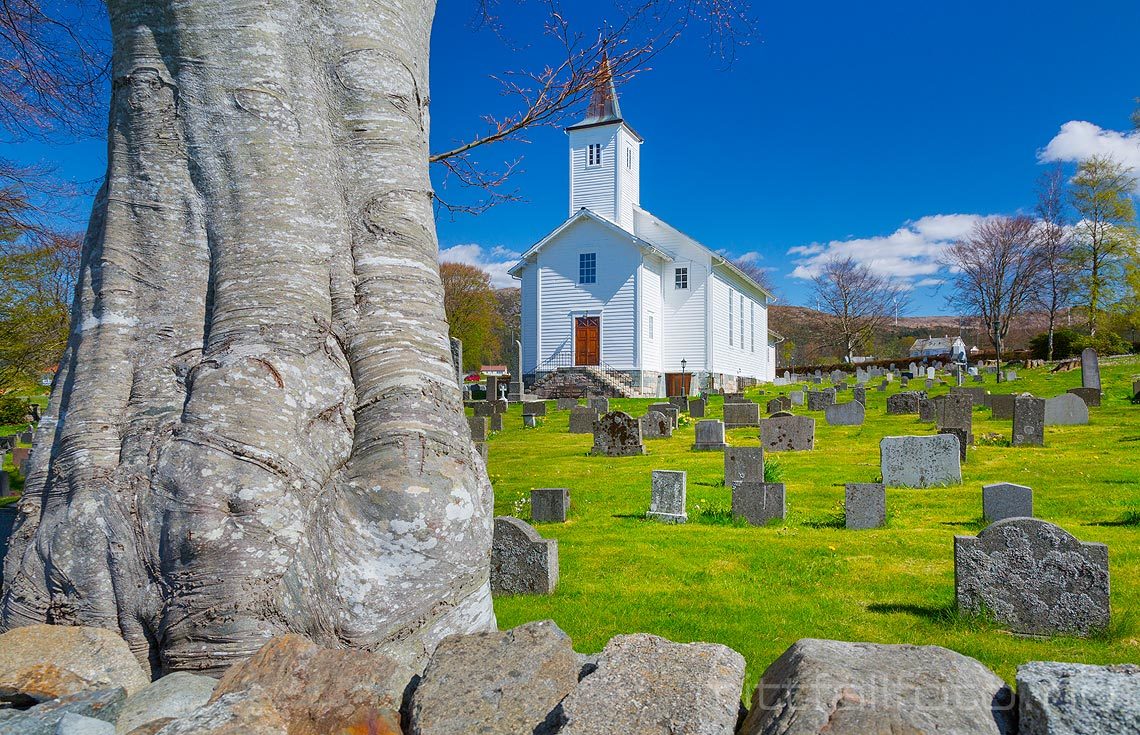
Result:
[496,261]
[913,250]
[1079,140]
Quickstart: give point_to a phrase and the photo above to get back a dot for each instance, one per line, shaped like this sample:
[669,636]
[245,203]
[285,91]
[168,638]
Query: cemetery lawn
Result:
[760,589]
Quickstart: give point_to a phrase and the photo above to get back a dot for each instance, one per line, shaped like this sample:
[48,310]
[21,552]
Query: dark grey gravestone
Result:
[582,420]
[882,386]
[492,387]
[530,421]
[920,461]
[928,409]
[710,436]
[865,505]
[667,501]
[1001,407]
[788,434]
[484,408]
[734,398]
[1090,369]
[656,425]
[845,414]
[743,464]
[1066,410]
[758,502]
[1028,421]
[779,403]
[1091,396]
[566,404]
[681,403]
[534,408]
[737,415]
[1136,391]
[497,422]
[979,396]
[797,397]
[601,405]
[979,378]
[903,403]
[617,434]
[963,440]
[549,504]
[818,400]
[1077,699]
[956,411]
[500,406]
[522,562]
[1033,577]
[669,410]
[860,394]
[697,408]
[1003,500]
[5,483]
[478,427]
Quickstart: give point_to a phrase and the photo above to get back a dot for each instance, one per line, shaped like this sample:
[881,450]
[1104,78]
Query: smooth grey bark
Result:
[256,427]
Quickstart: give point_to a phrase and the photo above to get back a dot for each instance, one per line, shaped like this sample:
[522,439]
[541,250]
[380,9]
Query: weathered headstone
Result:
[779,403]
[956,411]
[743,464]
[530,421]
[681,403]
[484,408]
[1090,369]
[928,409]
[656,425]
[903,403]
[697,408]
[737,415]
[667,501]
[522,562]
[1001,407]
[860,394]
[492,387]
[1091,396]
[1028,421]
[20,456]
[601,405]
[582,420]
[758,502]
[963,440]
[978,396]
[865,505]
[566,404]
[617,434]
[1002,500]
[797,397]
[5,484]
[818,400]
[549,504]
[1033,577]
[1066,410]
[478,427]
[788,434]
[1056,698]
[920,461]
[1136,391]
[497,422]
[845,414]
[710,436]
[734,398]
[669,410]
[534,408]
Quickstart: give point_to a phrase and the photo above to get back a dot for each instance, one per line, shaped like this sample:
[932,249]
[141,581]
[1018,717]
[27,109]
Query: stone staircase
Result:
[583,380]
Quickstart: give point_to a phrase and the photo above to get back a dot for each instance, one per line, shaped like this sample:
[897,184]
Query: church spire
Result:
[604,107]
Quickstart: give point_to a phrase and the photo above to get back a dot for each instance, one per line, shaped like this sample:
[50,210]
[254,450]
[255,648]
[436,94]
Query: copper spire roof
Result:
[604,107]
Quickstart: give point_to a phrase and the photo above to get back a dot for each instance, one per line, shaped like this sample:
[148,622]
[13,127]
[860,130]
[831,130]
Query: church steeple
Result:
[604,107]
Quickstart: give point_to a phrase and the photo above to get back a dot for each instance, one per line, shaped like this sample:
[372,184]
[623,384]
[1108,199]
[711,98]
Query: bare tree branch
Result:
[857,301]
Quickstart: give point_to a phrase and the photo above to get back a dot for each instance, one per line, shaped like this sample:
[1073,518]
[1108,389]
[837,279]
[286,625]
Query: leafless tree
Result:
[761,275]
[996,273]
[1055,249]
[857,301]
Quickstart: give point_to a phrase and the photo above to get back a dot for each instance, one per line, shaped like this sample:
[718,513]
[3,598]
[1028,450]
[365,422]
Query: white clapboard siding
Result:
[649,290]
[594,187]
[737,357]
[628,177]
[529,319]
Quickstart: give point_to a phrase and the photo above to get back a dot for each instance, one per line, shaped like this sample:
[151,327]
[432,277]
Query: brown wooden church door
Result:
[587,340]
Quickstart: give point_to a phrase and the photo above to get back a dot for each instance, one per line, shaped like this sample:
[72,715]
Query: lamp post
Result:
[684,392]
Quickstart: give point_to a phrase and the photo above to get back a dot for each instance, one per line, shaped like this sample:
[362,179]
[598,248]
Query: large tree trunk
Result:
[256,427]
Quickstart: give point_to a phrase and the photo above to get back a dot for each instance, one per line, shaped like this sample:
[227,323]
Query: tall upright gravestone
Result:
[1028,421]
[617,434]
[1090,369]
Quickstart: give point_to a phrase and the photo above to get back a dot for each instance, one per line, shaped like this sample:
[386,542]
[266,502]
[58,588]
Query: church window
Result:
[588,268]
[752,324]
[742,321]
[629,158]
[681,278]
[731,301]
[594,154]
[649,325]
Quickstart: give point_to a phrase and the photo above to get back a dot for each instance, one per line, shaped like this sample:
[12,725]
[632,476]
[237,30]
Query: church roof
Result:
[584,214]
[604,108]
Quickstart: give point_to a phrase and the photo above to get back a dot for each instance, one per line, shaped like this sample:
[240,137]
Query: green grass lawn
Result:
[759,590]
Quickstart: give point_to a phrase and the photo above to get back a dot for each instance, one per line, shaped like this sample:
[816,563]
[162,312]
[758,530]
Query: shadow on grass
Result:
[827,521]
[974,524]
[1130,519]
[635,516]
[941,614]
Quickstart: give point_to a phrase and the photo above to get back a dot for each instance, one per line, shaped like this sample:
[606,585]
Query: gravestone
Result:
[920,461]
[656,425]
[818,400]
[881,387]
[5,484]
[534,408]
[758,502]
[497,422]
[865,505]
[845,414]
[1028,421]
[601,405]
[582,420]
[549,504]
[979,378]
[530,421]
[860,394]
[841,385]
[788,434]
[710,436]
[681,403]
[956,411]
[797,397]
[617,434]
[522,562]
[903,403]
[1066,410]
[1091,396]
[1055,698]
[963,440]
[734,398]
[1090,369]
[20,456]
[566,404]
[1001,407]
[478,427]
[492,387]
[515,389]
[737,415]
[697,408]
[904,382]
[1033,577]
[669,410]
[779,403]
[743,464]
[837,376]
[484,408]
[457,359]
[928,409]
[1010,376]
[1003,500]
[978,396]
[667,502]
[1136,391]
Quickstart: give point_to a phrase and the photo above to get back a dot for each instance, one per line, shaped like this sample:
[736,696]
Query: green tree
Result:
[1105,235]
[472,312]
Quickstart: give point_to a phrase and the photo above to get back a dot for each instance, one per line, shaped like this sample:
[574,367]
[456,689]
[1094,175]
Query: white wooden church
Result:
[614,291]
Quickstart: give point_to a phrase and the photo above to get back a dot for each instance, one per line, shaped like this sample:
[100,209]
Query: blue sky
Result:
[877,129]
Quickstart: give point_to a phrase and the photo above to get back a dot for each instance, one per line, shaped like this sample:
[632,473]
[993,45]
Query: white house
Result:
[937,346]
[615,290]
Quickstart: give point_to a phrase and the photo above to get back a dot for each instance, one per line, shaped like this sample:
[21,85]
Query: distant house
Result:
[615,290]
[937,346]
[493,371]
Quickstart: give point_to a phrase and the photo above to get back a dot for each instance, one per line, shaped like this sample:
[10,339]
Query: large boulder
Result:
[172,696]
[249,712]
[318,690]
[1078,699]
[44,719]
[645,685]
[839,688]
[42,662]
[496,683]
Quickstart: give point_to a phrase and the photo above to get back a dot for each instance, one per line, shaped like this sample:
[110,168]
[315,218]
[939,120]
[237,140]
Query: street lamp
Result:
[684,392]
